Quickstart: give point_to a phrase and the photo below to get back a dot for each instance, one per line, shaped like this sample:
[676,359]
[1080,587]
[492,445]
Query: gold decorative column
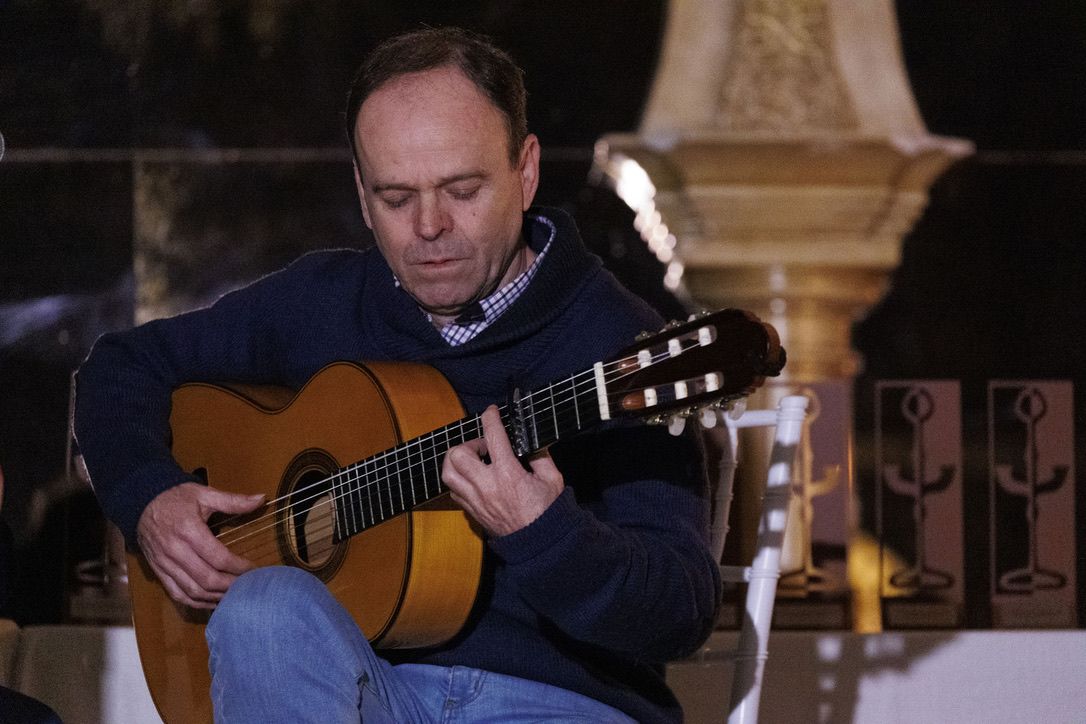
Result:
[779,162]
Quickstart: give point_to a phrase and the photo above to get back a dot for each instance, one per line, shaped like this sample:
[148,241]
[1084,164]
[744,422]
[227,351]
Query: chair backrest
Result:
[762,574]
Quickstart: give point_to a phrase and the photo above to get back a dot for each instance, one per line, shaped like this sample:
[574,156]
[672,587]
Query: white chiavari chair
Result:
[749,657]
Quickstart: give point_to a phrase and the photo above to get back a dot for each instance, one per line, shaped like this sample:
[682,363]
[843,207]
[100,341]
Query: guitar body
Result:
[408,582]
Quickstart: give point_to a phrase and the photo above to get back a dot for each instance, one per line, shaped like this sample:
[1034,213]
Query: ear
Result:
[528,168]
[361,194]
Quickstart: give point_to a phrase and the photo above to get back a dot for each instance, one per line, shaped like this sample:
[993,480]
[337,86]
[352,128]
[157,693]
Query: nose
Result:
[431,218]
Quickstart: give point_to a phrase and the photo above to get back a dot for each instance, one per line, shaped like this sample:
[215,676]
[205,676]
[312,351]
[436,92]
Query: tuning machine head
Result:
[700,314]
[676,425]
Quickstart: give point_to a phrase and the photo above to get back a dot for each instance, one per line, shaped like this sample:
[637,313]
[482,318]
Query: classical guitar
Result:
[351,469]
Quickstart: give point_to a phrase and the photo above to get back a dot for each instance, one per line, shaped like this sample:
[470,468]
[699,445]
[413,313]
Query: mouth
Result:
[441,263]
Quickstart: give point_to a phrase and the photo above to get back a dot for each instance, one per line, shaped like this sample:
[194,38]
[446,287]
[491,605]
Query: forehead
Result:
[430,113]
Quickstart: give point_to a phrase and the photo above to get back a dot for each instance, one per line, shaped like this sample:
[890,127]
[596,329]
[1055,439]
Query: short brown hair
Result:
[490,68]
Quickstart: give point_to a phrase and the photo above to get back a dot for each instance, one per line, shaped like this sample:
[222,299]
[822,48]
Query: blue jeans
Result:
[284,650]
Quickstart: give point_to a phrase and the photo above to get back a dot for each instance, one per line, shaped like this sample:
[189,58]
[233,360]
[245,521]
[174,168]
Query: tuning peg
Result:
[643,335]
[677,425]
[738,408]
[708,417]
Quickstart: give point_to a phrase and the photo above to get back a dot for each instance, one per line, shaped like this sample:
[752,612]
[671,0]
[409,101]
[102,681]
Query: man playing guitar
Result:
[596,568]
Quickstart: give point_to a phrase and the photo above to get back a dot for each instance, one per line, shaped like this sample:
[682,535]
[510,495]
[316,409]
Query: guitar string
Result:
[609,377]
[330,521]
[413,465]
[473,427]
[327,520]
[614,376]
[319,538]
[422,461]
[471,424]
[322,531]
[390,454]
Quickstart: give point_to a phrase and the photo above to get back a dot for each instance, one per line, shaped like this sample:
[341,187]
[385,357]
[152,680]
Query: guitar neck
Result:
[707,361]
[401,478]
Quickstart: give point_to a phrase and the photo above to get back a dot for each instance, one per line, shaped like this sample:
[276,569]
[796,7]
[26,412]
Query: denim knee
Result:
[266,600]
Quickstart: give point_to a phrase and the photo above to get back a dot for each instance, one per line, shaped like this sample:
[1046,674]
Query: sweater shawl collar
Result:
[392,319]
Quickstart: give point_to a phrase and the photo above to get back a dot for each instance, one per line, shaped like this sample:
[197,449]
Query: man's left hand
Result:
[500,495]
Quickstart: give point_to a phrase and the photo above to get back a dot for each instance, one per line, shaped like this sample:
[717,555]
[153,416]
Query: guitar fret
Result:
[354,504]
[586,391]
[532,420]
[339,525]
[554,411]
[418,448]
[354,509]
[418,469]
[576,407]
[383,464]
[344,503]
[435,458]
[534,415]
[384,488]
[399,478]
[437,467]
[361,483]
[571,395]
[362,495]
[367,485]
[347,500]
[391,482]
[411,480]
[369,497]
[385,482]
[429,457]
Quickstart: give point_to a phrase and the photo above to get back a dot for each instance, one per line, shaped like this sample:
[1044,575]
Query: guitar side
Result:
[408,582]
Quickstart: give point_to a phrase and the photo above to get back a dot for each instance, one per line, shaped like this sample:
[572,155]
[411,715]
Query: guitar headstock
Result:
[707,362]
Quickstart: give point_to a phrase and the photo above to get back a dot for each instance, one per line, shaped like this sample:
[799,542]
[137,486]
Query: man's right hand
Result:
[191,563]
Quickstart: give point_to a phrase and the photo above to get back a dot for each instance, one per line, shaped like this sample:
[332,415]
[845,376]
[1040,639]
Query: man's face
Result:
[438,188]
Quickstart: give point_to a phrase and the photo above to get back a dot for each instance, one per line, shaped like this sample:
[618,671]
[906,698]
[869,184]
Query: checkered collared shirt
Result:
[481,315]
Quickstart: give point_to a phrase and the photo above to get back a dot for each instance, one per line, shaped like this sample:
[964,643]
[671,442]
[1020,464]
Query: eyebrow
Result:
[378,188]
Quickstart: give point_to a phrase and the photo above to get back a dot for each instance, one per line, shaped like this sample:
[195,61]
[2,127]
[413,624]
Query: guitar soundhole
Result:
[306,518]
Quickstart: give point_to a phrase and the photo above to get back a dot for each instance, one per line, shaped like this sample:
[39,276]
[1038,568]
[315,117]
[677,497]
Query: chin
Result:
[441,307]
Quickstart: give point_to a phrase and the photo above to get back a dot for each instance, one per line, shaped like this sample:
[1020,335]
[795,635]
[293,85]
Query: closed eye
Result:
[464,194]
[395,202]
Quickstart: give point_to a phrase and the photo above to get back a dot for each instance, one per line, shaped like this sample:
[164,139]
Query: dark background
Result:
[116,117]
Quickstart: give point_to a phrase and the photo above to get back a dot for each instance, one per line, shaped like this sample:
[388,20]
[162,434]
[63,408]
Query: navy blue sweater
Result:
[614,579]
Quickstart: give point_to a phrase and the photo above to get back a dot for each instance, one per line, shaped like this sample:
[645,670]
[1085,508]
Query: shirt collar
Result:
[483,313]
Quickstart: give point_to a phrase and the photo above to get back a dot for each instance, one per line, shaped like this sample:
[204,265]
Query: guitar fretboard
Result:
[401,478]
